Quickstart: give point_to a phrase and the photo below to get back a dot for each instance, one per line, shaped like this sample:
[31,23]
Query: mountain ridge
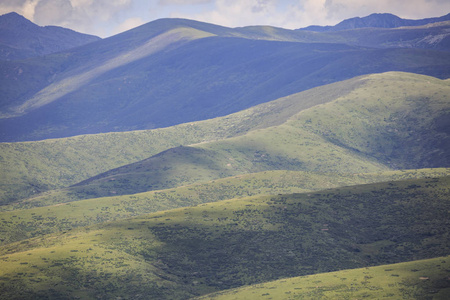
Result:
[246,135]
[21,38]
[341,136]
[195,76]
[376,20]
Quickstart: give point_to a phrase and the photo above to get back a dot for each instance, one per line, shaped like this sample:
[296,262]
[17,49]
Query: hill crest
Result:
[20,38]
[376,20]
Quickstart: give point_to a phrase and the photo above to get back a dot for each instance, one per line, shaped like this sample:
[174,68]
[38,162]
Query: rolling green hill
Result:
[421,279]
[60,210]
[368,124]
[32,167]
[193,251]
[390,121]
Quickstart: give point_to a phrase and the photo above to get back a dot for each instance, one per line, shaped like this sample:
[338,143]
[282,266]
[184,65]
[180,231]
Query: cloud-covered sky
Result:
[108,17]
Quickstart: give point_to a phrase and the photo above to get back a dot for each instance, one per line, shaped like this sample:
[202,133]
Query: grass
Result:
[194,251]
[421,279]
[377,122]
[29,168]
[47,214]
[389,121]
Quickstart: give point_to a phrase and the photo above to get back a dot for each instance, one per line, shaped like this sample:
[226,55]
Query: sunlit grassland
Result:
[385,120]
[421,279]
[52,213]
[28,168]
[210,247]
[375,123]
[391,121]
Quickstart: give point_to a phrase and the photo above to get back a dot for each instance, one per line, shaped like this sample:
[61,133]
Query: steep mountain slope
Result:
[20,38]
[173,71]
[384,20]
[193,251]
[391,121]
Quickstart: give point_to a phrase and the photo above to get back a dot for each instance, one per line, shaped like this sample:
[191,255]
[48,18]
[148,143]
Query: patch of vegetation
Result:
[390,121]
[47,214]
[211,247]
[376,123]
[420,279]
[29,168]
[385,121]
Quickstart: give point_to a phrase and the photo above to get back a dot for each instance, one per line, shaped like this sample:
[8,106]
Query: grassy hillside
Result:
[193,251]
[390,121]
[377,122]
[398,118]
[32,167]
[421,279]
[51,211]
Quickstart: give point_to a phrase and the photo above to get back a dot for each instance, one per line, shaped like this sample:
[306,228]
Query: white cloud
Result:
[129,24]
[89,16]
[23,7]
[235,13]
[183,2]
[107,17]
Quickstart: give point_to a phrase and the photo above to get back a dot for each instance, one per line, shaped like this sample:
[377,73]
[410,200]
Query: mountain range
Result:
[177,71]
[376,21]
[268,164]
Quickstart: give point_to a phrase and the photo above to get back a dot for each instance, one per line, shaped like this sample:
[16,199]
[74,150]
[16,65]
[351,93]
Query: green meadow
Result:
[197,250]
[420,279]
[338,192]
[375,123]
[47,214]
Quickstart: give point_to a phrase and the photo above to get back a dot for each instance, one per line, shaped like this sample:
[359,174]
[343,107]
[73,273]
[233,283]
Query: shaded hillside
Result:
[390,121]
[193,251]
[432,36]
[20,38]
[398,118]
[421,279]
[62,210]
[33,167]
[173,71]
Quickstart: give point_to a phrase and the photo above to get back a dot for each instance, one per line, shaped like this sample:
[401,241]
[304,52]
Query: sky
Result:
[108,17]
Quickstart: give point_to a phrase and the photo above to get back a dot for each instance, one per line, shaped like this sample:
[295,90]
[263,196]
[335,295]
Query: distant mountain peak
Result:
[376,20]
[379,20]
[14,18]
[20,38]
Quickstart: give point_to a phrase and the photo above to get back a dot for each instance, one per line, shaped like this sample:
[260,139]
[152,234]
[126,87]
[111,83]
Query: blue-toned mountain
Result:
[21,38]
[174,71]
[384,20]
